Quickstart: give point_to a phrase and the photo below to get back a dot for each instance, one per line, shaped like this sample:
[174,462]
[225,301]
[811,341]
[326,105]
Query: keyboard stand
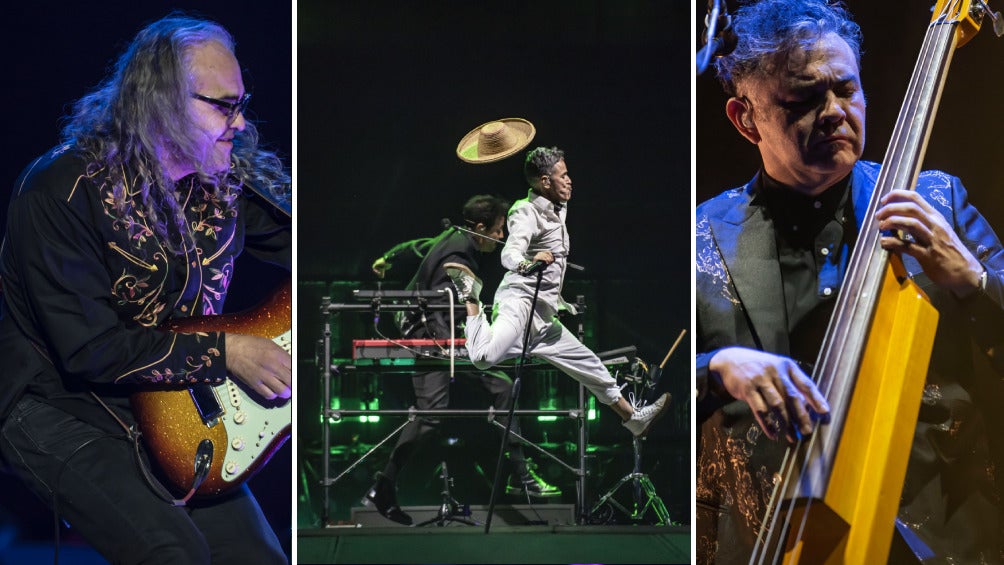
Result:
[330,370]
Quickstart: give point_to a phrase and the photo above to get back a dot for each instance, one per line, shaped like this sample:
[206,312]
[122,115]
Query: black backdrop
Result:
[385,92]
[53,53]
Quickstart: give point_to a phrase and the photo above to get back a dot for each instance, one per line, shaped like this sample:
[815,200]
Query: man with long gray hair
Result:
[135,219]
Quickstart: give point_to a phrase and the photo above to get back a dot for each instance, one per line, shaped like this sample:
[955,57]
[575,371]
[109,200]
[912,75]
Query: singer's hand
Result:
[380,267]
[544,257]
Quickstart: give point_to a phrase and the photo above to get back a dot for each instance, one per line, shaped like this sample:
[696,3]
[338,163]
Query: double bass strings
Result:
[904,144]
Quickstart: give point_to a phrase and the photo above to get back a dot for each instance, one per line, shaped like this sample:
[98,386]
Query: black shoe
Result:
[382,495]
[531,484]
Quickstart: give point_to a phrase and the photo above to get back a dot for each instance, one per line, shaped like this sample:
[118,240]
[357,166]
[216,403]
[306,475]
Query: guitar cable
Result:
[418,353]
[130,435]
[133,435]
[529,501]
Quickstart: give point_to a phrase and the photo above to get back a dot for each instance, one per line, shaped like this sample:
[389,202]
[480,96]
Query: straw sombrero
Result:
[495,140]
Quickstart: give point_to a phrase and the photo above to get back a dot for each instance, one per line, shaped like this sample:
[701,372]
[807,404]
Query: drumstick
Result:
[672,349]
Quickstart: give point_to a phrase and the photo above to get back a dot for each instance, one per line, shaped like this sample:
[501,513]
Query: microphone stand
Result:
[515,398]
[716,41]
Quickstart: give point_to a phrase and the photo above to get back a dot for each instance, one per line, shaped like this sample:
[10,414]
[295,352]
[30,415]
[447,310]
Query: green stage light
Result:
[336,404]
[371,404]
[547,404]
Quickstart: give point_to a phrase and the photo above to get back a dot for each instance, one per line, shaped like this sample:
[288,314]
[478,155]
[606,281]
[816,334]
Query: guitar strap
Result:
[283,205]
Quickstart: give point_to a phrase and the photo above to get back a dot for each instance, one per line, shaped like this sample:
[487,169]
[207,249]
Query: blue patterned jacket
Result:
[739,302]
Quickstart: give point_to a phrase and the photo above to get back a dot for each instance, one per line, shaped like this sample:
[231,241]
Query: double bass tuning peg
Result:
[995,16]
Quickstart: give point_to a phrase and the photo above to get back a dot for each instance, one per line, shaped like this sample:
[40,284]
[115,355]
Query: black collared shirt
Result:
[815,235]
[86,287]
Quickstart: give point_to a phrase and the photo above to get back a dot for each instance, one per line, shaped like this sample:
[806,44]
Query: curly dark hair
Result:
[770,30]
[540,161]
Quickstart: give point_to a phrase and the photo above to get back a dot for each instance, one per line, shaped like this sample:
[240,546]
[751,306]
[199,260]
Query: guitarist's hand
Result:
[776,389]
[261,364]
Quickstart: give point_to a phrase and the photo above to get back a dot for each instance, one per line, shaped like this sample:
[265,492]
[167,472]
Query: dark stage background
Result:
[386,90]
[968,133]
[53,53]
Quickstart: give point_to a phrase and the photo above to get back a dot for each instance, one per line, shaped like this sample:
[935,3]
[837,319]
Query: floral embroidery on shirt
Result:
[215,288]
[132,290]
[131,220]
[194,365]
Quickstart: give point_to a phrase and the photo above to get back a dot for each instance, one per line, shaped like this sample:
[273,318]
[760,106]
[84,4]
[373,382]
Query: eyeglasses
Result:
[229,109]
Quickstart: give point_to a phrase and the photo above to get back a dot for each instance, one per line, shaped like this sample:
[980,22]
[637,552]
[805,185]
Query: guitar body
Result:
[243,429]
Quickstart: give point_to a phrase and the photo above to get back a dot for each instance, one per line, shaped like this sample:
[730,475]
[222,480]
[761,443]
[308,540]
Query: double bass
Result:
[836,495]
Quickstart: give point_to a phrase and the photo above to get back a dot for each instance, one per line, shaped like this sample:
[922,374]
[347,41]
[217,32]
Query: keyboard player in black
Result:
[485,217]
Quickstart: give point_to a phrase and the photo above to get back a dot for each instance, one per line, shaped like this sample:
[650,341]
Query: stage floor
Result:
[458,543]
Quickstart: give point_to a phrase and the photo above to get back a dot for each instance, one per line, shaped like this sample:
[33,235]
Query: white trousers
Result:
[490,344]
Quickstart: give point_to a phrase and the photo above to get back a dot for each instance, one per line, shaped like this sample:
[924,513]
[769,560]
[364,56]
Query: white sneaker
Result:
[644,417]
[467,284]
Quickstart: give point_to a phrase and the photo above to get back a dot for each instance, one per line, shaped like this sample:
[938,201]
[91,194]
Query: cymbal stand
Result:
[450,509]
[644,495]
[642,486]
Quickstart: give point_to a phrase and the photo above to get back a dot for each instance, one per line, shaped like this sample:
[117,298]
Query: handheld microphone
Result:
[534,267]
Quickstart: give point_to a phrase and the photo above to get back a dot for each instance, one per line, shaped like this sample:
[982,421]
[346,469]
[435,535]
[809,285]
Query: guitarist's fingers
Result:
[261,364]
[276,376]
[271,387]
[277,387]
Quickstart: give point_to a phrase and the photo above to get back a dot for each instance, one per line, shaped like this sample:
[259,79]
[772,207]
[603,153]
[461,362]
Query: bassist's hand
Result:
[780,394]
[931,241]
[261,364]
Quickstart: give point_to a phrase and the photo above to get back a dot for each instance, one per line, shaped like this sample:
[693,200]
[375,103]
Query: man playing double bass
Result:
[771,258]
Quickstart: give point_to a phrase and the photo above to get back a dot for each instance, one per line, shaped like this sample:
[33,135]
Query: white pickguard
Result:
[250,426]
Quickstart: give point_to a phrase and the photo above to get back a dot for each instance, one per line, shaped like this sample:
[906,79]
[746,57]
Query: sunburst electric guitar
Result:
[208,439]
